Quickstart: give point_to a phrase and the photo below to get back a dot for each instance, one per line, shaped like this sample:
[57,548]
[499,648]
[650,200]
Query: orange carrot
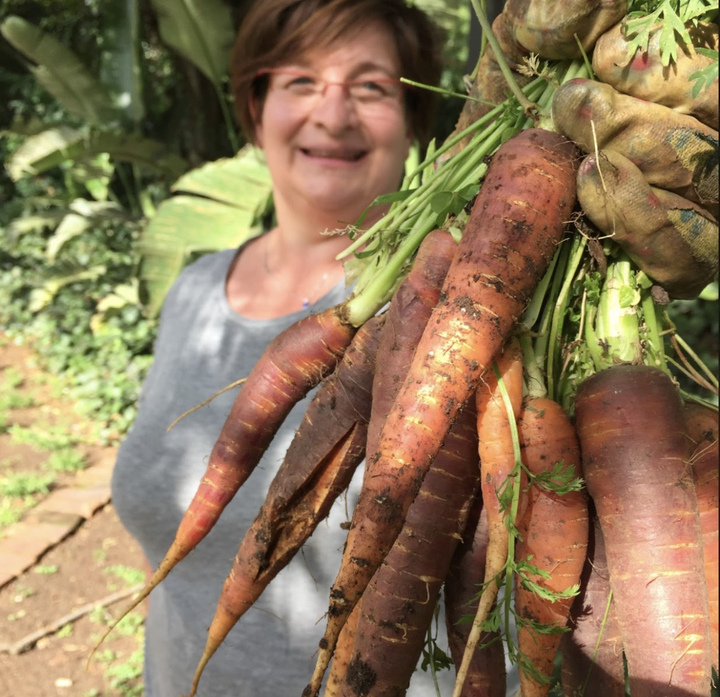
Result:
[516,222]
[553,535]
[294,362]
[497,460]
[318,466]
[702,425]
[631,426]
[397,607]
[343,654]
[409,311]
[592,655]
[486,672]
[414,553]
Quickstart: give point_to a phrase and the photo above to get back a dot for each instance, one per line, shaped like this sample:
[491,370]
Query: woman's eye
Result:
[369,89]
[301,83]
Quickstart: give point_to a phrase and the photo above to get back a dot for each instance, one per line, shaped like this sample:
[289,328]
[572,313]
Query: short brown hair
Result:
[275,31]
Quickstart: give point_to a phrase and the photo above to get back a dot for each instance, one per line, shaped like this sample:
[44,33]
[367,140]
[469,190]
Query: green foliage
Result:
[40,439]
[126,574]
[10,512]
[66,460]
[670,17]
[23,484]
[705,77]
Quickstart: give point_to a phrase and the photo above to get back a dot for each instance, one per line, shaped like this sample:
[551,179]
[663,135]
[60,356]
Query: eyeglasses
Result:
[304,88]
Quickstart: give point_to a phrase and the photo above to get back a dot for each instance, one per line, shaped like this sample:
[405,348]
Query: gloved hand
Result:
[651,177]
[544,27]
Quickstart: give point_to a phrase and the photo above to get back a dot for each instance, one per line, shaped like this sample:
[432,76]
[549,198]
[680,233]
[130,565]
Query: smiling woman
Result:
[316,86]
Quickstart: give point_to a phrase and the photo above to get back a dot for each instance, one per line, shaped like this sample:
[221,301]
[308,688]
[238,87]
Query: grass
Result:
[66,460]
[11,511]
[12,378]
[43,439]
[23,484]
[123,673]
[127,574]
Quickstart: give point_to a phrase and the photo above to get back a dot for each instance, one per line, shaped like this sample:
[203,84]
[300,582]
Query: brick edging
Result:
[56,517]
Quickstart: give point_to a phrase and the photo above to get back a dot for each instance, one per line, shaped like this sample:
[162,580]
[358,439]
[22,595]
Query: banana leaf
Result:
[62,144]
[200,30]
[61,72]
[217,206]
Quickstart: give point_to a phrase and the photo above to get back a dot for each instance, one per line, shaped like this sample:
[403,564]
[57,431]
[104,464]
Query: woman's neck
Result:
[280,273]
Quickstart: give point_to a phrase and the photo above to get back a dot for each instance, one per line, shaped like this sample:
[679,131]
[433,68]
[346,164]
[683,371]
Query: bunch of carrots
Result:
[522,428]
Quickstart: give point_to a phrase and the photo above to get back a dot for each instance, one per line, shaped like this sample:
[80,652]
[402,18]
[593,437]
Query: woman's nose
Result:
[334,108]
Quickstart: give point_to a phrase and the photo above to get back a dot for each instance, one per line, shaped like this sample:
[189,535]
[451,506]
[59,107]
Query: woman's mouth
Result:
[335,154]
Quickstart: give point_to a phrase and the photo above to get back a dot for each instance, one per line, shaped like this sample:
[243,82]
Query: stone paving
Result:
[58,515]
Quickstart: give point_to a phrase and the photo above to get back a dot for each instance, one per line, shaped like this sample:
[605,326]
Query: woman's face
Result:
[332,148]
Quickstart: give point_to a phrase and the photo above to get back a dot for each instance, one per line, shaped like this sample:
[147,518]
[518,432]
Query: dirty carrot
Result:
[409,311]
[318,466]
[486,673]
[702,429]
[343,655]
[497,461]
[553,537]
[516,222]
[294,362]
[397,607]
[631,426]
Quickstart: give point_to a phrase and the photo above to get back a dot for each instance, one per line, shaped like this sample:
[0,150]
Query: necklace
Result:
[305,299]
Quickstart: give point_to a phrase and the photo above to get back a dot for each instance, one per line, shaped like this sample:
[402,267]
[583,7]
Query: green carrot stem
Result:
[576,253]
[375,294]
[535,379]
[617,325]
[395,218]
[529,107]
[541,343]
[532,312]
[446,93]
[653,339]
[690,374]
[512,513]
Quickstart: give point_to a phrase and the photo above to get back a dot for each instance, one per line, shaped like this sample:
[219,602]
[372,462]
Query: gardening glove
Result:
[651,177]
[545,27]
[550,27]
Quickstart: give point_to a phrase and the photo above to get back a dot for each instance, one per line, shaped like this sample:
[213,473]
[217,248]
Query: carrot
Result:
[702,426]
[592,655]
[397,607]
[517,220]
[497,461]
[318,466]
[342,656]
[631,427]
[409,311]
[553,536]
[406,318]
[486,672]
[294,362]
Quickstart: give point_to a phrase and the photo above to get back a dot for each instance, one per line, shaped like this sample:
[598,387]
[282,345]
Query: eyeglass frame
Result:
[345,84]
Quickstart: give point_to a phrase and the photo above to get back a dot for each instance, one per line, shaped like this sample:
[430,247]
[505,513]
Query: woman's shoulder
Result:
[209,265]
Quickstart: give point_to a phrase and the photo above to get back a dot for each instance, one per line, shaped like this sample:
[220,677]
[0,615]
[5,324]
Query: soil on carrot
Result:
[43,442]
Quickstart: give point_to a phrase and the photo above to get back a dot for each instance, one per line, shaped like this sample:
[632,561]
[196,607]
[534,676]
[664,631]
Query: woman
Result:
[316,87]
